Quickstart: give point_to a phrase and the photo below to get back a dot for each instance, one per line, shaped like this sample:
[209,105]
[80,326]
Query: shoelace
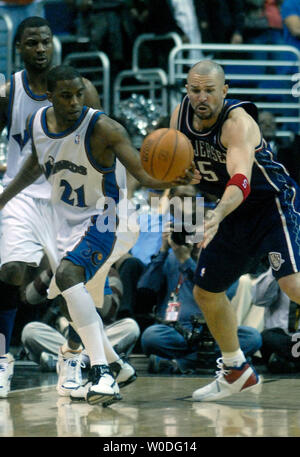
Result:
[3,366]
[221,372]
[72,365]
[97,372]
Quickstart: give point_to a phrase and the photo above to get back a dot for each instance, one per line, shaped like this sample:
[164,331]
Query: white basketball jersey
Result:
[79,184]
[23,103]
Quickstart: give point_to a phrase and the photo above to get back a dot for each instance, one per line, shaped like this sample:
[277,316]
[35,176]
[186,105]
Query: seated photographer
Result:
[281,332]
[156,208]
[180,342]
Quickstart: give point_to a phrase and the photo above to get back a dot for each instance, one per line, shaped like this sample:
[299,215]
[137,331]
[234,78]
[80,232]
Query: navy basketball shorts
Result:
[251,233]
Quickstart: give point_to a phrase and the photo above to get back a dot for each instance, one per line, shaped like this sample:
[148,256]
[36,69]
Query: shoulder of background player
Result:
[91,96]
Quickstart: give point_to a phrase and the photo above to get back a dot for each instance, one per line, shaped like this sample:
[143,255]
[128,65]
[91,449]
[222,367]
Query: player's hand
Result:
[182,252]
[211,225]
[192,176]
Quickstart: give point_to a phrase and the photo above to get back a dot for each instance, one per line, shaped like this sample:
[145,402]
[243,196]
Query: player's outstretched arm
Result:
[29,172]
[240,135]
[110,139]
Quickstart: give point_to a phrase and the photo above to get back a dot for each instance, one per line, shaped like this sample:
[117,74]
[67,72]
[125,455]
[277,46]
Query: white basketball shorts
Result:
[28,231]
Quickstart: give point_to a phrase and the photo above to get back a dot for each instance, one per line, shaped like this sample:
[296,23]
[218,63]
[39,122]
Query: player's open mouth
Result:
[74,113]
[202,108]
[41,60]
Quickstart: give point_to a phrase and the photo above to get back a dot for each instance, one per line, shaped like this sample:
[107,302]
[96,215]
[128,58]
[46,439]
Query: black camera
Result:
[182,235]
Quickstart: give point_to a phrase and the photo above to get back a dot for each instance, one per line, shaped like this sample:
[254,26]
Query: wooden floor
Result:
[153,406]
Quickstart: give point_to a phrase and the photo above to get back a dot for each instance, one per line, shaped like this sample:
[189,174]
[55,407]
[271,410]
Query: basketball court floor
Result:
[153,406]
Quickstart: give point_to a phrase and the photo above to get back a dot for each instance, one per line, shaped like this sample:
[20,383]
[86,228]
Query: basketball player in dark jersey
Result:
[258,214]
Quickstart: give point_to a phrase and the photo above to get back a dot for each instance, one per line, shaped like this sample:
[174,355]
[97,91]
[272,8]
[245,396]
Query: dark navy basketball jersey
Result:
[268,176]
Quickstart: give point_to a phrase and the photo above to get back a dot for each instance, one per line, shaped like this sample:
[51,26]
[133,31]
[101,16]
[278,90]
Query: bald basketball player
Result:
[258,214]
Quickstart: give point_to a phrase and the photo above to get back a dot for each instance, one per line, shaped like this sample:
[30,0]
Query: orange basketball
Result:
[166,154]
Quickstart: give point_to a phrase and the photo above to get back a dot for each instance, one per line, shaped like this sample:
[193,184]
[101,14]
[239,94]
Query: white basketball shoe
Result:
[230,380]
[6,374]
[69,372]
[103,388]
[123,372]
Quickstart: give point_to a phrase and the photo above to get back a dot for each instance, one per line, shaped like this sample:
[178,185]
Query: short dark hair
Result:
[61,73]
[32,21]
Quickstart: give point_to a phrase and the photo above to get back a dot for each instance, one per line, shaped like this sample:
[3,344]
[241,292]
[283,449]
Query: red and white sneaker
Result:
[230,380]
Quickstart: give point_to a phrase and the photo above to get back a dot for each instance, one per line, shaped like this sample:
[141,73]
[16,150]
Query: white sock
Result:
[85,317]
[233,359]
[110,353]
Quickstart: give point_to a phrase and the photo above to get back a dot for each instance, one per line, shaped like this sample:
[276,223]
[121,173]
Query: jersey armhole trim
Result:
[87,145]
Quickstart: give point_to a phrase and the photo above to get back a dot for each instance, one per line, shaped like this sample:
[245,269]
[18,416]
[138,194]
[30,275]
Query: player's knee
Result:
[68,275]
[202,297]
[29,333]
[13,273]
[129,327]
[149,340]
[290,285]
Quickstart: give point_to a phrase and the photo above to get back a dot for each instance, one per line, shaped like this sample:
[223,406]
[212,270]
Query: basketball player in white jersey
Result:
[27,221]
[76,148]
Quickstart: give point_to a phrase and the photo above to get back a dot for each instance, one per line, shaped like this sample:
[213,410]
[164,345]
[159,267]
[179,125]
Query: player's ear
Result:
[225,90]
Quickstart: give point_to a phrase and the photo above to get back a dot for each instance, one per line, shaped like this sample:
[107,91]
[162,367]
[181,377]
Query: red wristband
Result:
[240,181]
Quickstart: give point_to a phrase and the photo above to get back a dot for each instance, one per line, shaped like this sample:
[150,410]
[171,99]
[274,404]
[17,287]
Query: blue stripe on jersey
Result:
[68,130]
[28,91]
[109,184]
[11,102]
[87,143]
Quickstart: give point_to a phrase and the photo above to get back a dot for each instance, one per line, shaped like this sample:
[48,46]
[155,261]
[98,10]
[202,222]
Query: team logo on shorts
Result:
[97,258]
[77,139]
[275,260]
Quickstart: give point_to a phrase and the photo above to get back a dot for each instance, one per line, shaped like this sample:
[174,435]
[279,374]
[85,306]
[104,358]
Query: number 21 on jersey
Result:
[73,197]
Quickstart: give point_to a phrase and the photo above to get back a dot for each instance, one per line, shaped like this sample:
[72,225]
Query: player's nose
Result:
[75,101]
[202,96]
[40,47]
